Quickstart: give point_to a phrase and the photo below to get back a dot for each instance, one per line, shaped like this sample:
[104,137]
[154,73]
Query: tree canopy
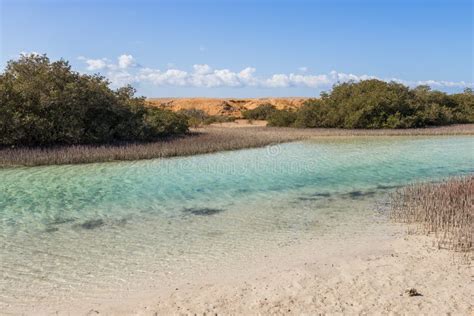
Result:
[379,104]
[44,102]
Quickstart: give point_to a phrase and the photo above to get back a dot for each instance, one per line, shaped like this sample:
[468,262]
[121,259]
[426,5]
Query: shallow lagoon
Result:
[71,231]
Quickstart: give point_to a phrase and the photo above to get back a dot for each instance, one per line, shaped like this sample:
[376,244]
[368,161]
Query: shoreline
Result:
[364,275]
[204,140]
[359,263]
[360,272]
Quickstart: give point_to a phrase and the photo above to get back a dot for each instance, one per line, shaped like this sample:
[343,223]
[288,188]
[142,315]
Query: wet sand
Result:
[361,272]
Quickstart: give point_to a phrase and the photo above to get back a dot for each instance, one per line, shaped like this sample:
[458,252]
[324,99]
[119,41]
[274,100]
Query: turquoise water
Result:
[67,230]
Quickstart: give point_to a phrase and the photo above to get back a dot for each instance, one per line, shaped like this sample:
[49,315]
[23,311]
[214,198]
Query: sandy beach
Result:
[362,271]
[359,275]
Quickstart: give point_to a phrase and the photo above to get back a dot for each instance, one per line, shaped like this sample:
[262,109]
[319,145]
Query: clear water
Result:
[77,230]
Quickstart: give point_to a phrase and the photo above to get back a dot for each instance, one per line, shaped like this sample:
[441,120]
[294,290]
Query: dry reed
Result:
[444,209]
[200,141]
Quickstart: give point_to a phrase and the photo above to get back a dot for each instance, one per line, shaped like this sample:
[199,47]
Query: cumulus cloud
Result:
[127,71]
[311,81]
[96,64]
[202,69]
[125,61]
[435,83]
[247,77]
[277,81]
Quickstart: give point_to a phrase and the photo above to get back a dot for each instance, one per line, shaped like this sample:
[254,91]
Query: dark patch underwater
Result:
[205,211]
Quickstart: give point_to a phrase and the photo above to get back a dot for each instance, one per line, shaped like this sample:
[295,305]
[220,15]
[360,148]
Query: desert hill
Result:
[228,107]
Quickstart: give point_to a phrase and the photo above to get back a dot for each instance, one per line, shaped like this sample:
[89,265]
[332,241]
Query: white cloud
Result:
[172,77]
[311,81]
[127,71]
[303,69]
[343,77]
[434,83]
[277,81]
[227,77]
[96,64]
[125,61]
[202,69]
[121,78]
[246,76]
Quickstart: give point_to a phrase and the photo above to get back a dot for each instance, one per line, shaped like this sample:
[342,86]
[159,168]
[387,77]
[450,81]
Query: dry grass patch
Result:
[444,209]
[200,141]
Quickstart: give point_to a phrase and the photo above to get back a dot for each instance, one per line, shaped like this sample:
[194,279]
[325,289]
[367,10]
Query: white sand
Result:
[364,272]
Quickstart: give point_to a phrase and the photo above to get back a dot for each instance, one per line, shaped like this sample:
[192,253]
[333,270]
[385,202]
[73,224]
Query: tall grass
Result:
[200,141]
[445,209]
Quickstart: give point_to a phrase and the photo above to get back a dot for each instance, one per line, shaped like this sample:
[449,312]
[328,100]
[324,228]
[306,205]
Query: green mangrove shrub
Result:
[379,104]
[198,117]
[45,103]
[282,118]
[261,112]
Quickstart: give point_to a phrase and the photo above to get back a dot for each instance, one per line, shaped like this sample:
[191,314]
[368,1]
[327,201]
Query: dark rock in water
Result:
[59,221]
[307,198]
[321,194]
[243,190]
[51,229]
[314,197]
[92,224]
[121,222]
[387,187]
[357,194]
[205,211]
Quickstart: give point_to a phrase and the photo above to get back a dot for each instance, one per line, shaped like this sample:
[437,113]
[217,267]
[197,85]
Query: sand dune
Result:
[227,106]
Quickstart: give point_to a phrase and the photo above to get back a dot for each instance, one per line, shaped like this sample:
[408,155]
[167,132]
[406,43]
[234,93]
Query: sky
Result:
[259,48]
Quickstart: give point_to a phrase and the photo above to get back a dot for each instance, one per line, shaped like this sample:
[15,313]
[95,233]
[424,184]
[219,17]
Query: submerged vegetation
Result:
[445,209]
[199,141]
[378,104]
[44,103]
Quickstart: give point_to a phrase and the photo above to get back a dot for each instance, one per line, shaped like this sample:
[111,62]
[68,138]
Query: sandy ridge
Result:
[225,106]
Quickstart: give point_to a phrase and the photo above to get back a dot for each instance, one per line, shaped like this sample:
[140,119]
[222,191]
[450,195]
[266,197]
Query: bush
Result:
[310,114]
[162,123]
[262,112]
[195,117]
[282,118]
[378,104]
[218,119]
[464,111]
[43,103]
[198,118]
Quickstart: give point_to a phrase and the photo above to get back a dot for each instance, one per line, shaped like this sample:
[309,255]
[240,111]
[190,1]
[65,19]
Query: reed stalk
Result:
[200,141]
[444,209]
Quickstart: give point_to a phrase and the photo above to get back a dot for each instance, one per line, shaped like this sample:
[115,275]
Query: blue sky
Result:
[247,48]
